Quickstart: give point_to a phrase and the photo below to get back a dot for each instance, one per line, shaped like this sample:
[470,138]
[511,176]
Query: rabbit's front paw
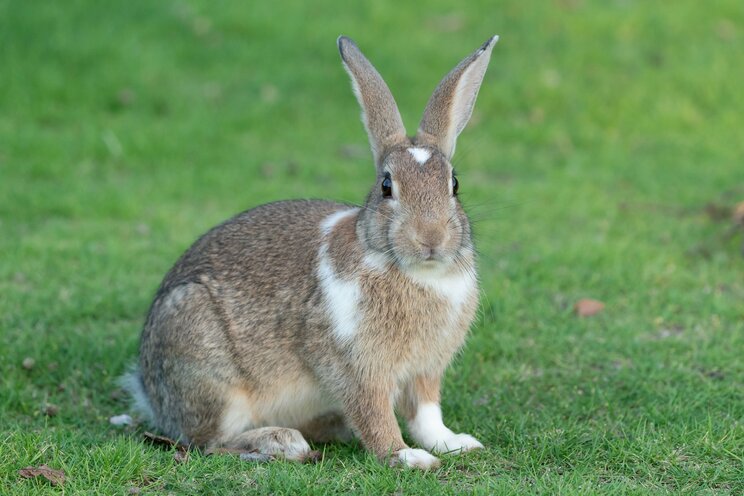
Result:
[417,458]
[429,432]
[456,443]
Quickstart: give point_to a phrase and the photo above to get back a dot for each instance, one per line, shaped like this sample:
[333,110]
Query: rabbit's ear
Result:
[379,111]
[451,104]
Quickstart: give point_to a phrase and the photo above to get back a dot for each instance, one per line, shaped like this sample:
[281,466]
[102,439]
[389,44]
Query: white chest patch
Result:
[454,288]
[421,155]
[341,296]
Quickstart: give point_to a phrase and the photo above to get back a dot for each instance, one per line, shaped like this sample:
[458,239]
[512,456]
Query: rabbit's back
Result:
[258,252]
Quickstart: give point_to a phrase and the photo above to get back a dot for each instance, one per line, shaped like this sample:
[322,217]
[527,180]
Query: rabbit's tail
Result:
[132,383]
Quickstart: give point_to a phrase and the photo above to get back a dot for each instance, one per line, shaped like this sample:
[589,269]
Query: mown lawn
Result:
[602,161]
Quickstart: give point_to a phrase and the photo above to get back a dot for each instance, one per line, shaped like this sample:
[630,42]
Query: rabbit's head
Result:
[412,215]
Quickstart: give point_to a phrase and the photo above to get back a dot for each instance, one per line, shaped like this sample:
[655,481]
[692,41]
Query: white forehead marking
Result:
[420,154]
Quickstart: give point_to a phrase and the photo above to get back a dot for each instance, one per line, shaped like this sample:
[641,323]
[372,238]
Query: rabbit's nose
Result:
[431,240]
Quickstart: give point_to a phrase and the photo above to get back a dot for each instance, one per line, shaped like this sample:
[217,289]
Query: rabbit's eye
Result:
[455,185]
[387,186]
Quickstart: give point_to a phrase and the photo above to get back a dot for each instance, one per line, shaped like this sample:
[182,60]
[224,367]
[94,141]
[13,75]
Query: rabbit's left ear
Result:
[451,105]
[379,111]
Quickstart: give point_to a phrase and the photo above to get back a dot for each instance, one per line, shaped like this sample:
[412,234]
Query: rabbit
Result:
[315,320]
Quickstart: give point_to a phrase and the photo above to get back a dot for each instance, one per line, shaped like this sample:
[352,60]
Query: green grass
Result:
[602,131]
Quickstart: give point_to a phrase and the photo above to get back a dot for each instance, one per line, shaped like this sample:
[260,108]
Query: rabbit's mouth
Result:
[432,260]
[431,254]
[433,263]
[441,260]
[434,269]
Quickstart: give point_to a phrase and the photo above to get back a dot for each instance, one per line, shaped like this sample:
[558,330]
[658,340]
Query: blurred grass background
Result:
[603,158]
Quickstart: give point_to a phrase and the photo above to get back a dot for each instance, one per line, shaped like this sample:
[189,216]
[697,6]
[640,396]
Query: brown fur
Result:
[240,348]
[379,112]
[421,389]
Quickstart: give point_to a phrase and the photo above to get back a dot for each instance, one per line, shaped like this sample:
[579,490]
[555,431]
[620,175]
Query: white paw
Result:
[428,430]
[417,458]
[456,443]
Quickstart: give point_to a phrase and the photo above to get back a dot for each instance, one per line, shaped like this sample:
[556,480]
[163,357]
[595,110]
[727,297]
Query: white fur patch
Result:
[421,155]
[132,383]
[327,225]
[429,431]
[293,404]
[120,420]
[417,458]
[341,298]
[427,427]
[288,404]
[236,417]
[454,288]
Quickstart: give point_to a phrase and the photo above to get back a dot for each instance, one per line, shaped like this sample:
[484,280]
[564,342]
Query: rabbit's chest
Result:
[419,321]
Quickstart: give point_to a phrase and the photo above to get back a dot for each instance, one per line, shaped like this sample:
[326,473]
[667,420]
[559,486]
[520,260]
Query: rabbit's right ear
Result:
[379,112]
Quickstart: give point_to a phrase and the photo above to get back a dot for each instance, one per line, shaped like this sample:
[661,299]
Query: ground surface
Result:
[603,156]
